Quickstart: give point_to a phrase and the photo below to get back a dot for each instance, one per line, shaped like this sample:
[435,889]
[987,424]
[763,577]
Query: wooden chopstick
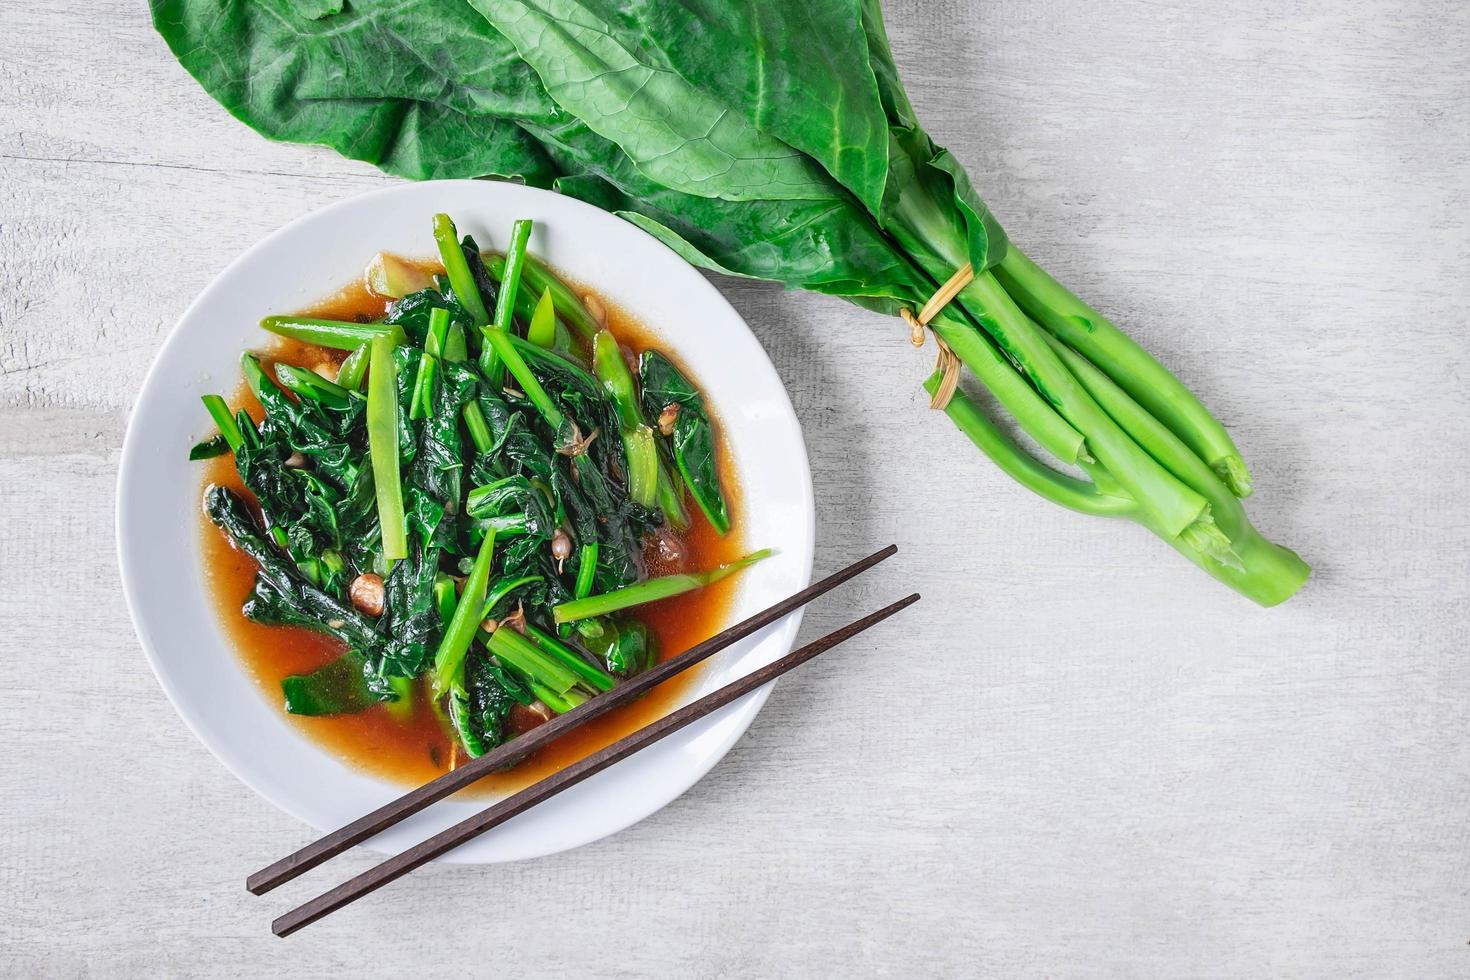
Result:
[511,752]
[401,864]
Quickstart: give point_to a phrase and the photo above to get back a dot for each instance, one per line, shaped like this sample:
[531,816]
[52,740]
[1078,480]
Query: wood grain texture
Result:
[1141,775]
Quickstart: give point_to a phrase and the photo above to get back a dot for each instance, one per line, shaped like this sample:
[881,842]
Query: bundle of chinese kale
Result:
[767,140]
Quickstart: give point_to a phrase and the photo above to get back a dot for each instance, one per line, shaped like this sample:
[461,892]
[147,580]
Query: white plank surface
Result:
[1083,759]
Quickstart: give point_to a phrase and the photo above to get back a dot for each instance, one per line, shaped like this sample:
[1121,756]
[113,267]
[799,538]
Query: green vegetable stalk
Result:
[460,633]
[650,590]
[336,334]
[457,271]
[382,430]
[638,444]
[510,281]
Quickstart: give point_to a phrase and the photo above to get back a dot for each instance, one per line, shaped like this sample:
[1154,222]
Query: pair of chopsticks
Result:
[511,752]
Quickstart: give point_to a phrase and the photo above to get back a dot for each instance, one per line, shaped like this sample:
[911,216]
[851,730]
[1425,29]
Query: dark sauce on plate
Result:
[414,744]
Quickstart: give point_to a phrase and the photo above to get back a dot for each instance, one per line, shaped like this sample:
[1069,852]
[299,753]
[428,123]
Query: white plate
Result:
[158,499]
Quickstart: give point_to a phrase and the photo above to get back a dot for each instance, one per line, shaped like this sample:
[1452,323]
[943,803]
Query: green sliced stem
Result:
[455,348]
[670,495]
[229,427]
[559,703]
[354,368]
[528,660]
[423,382]
[538,279]
[650,590]
[457,270]
[1024,468]
[541,330]
[638,444]
[460,633]
[571,659]
[479,429]
[310,385]
[612,371]
[382,426]
[444,598]
[506,353]
[586,570]
[1133,368]
[510,281]
[401,707]
[334,334]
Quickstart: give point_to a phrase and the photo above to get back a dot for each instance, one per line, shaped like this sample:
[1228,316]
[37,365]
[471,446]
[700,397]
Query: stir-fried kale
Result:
[516,488]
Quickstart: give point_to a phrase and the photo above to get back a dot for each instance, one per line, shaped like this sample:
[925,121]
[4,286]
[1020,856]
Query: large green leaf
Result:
[800,73]
[420,89]
[675,132]
[830,245]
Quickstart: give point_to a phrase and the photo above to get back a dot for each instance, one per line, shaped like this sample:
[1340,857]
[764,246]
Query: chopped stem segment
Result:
[423,382]
[505,351]
[228,426]
[382,426]
[335,334]
[457,270]
[650,590]
[308,384]
[539,279]
[571,659]
[586,570]
[505,302]
[528,660]
[542,329]
[354,368]
[460,633]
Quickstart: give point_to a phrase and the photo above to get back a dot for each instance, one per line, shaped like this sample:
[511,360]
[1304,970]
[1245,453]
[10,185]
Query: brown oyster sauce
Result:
[412,746]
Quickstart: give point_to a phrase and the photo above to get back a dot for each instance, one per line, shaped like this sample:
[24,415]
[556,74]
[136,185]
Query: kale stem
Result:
[1125,362]
[457,270]
[559,703]
[310,385]
[1032,413]
[528,660]
[510,279]
[586,570]
[1172,503]
[353,368]
[539,279]
[500,342]
[571,659]
[455,644]
[382,426]
[334,334]
[649,590]
[541,330]
[423,382]
[638,445]
[228,426]
[479,429]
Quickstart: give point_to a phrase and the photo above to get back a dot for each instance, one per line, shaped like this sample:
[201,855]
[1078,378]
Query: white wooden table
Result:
[1083,759]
